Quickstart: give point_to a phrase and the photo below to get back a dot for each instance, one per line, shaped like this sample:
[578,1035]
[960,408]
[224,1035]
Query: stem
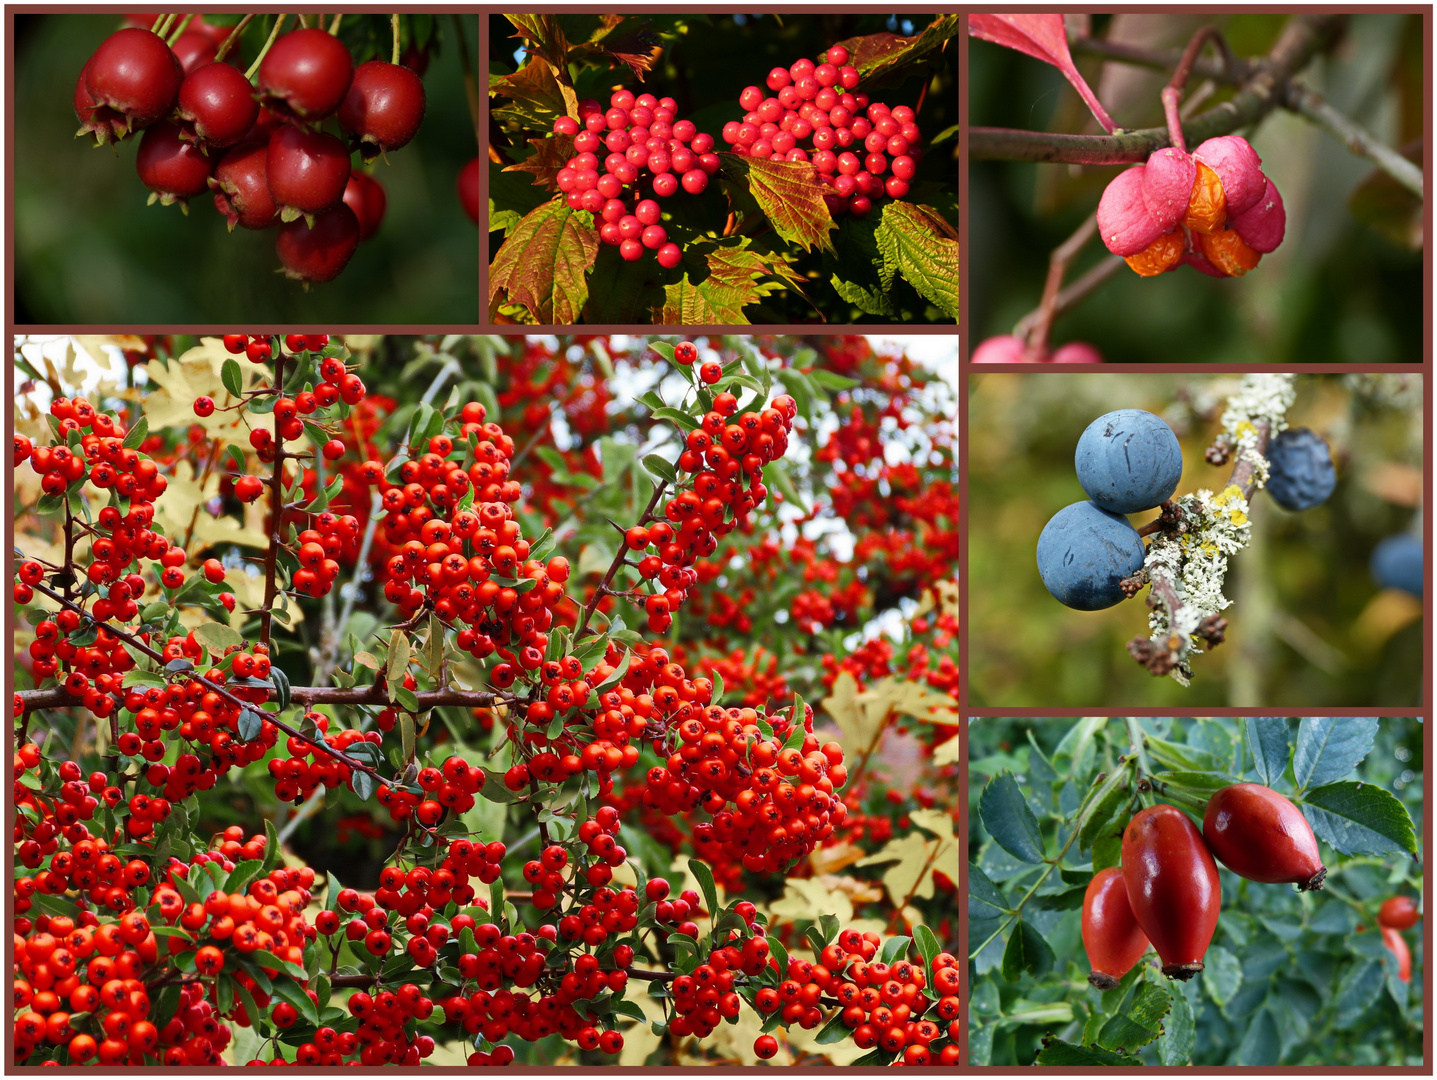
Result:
[276,497]
[232,39]
[1073,294]
[166,21]
[1135,736]
[179,30]
[471,84]
[1172,93]
[264,49]
[1301,40]
[1231,70]
[1356,138]
[46,698]
[394,28]
[603,586]
[1036,341]
[334,26]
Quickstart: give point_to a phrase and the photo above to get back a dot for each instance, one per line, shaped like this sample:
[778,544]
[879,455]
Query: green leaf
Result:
[894,949]
[928,945]
[363,785]
[1221,975]
[682,419]
[1179,1037]
[1267,739]
[1330,747]
[280,681]
[1141,1022]
[217,637]
[136,434]
[985,900]
[831,380]
[1005,814]
[1027,951]
[397,661]
[251,724]
[835,1031]
[705,878]
[243,874]
[1261,1044]
[1360,819]
[407,700]
[1105,817]
[1061,1054]
[661,467]
[923,247]
[232,378]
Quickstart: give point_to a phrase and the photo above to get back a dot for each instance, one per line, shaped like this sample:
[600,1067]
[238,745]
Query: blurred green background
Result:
[88,249]
[1346,285]
[1307,627]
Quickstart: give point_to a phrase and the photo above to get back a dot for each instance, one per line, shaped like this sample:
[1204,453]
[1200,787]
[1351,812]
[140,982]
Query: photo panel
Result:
[532,700]
[707,169]
[229,169]
[1196,891]
[1126,170]
[1166,540]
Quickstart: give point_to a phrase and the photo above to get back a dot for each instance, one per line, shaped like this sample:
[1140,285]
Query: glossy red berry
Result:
[1260,835]
[1395,941]
[711,371]
[217,105]
[248,488]
[765,1046]
[1111,935]
[685,353]
[365,196]
[204,406]
[384,106]
[135,76]
[174,170]
[241,187]
[1173,887]
[305,74]
[320,253]
[214,571]
[1399,912]
[467,186]
[306,170]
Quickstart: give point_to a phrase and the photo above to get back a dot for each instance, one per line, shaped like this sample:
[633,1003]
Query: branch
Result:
[308,696]
[276,502]
[40,696]
[603,586]
[1354,136]
[1301,40]
[1163,59]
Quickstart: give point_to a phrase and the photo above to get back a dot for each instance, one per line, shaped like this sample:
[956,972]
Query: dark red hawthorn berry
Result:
[135,75]
[384,107]
[468,188]
[321,252]
[217,104]
[241,191]
[365,196]
[174,170]
[306,170]
[305,74]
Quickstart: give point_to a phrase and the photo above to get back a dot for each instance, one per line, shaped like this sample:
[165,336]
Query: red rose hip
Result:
[1111,935]
[1399,912]
[1173,887]
[1260,835]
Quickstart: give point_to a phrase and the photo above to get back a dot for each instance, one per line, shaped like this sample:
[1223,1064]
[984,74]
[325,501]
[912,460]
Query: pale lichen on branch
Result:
[1186,565]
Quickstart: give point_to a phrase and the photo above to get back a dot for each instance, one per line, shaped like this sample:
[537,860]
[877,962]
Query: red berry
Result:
[235,343]
[1394,941]
[214,571]
[204,406]
[1399,912]
[248,488]
[135,76]
[467,185]
[365,196]
[685,353]
[1111,935]
[384,106]
[710,371]
[669,256]
[217,104]
[1173,887]
[318,254]
[333,450]
[241,187]
[1260,835]
[258,351]
[306,170]
[173,170]
[765,1046]
[305,74]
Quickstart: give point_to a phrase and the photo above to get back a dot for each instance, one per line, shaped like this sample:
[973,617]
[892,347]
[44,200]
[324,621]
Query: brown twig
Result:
[276,499]
[1035,341]
[1300,41]
[603,587]
[1073,294]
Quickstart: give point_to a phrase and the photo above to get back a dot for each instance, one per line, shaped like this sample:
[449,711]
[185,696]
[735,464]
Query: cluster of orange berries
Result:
[887,1005]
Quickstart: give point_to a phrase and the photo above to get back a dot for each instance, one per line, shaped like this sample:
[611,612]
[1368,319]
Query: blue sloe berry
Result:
[1397,563]
[1084,553]
[1128,460]
[1301,474]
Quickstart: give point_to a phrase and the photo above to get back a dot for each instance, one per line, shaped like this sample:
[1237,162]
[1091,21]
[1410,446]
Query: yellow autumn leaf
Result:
[915,857]
[949,752]
[946,601]
[194,374]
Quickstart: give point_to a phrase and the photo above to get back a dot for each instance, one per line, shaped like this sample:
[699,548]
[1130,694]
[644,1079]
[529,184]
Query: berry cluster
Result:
[1127,460]
[257,147]
[814,114]
[1166,891]
[646,151]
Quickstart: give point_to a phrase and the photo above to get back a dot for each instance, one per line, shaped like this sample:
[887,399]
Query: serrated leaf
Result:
[912,240]
[1027,951]
[1330,747]
[1360,819]
[1062,1054]
[542,265]
[1267,740]
[790,195]
[733,278]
